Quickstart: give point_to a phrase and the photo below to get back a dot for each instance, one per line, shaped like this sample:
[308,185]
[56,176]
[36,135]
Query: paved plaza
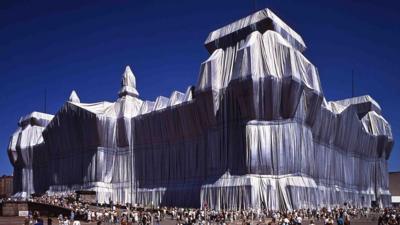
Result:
[20,221]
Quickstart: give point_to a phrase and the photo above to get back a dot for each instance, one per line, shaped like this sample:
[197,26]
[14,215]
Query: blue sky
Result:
[85,45]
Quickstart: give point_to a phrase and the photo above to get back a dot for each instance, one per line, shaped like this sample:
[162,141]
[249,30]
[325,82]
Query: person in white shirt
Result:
[89,216]
[299,220]
[66,221]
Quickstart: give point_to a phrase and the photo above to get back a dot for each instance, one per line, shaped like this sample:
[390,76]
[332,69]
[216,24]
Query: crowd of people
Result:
[68,200]
[389,217]
[128,215]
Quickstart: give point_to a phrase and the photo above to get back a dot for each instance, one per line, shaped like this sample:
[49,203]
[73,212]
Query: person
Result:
[285,221]
[347,220]
[27,221]
[39,221]
[66,221]
[72,216]
[76,222]
[124,221]
[273,222]
[298,220]
[312,222]
[36,215]
[330,221]
[392,220]
[398,217]
[60,219]
[340,220]
[49,221]
[89,216]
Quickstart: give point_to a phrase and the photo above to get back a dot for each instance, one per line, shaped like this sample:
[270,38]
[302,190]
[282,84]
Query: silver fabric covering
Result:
[255,132]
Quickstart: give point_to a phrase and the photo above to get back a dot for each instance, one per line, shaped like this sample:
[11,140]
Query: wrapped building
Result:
[255,132]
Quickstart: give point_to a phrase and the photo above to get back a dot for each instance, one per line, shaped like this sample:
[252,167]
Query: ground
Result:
[20,221]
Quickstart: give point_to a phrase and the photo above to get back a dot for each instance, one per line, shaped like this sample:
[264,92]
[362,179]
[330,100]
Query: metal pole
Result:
[352,83]
[45,100]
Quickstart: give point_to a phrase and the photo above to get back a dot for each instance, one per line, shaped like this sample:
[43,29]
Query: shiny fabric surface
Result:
[255,132]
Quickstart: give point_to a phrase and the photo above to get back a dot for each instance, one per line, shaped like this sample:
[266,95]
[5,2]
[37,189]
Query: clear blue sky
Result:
[85,45]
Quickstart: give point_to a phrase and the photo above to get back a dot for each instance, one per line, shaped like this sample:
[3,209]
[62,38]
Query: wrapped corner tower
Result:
[255,132]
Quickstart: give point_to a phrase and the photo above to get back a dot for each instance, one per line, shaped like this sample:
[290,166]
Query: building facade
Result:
[255,132]
[394,187]
[6,186]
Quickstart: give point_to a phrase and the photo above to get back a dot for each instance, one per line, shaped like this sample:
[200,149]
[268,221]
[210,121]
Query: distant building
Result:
[6,186]
[394,187]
